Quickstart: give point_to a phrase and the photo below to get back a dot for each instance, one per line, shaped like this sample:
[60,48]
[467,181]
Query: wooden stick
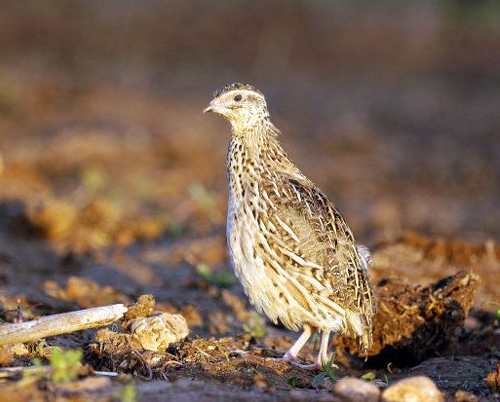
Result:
[60,324]
[12,372]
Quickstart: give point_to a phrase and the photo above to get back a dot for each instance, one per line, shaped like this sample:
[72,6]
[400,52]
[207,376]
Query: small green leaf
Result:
[292,381]
[370,376]
[255,326]
[332,374]
[65,364]
[36,362]
[129,393]
[328,365]
[223,279]
[317,380]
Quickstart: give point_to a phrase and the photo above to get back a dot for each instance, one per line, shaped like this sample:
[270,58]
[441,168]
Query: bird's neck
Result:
[255,149]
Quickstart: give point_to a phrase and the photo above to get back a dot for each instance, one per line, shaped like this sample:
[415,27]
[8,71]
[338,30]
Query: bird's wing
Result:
[315,243]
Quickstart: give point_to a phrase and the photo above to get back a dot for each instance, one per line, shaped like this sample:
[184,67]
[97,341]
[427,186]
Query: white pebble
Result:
[413,389]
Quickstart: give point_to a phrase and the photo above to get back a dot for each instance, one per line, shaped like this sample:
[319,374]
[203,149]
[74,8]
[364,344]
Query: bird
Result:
[291,249]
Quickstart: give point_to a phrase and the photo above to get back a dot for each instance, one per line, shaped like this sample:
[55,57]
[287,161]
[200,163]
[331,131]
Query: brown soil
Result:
[112,186]
[419,328]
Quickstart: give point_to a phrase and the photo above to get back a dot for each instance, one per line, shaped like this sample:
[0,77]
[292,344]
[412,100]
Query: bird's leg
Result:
[323,355]
[322,358]
[298,345]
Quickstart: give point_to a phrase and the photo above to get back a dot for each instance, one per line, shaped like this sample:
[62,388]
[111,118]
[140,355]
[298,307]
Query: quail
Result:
[289,246]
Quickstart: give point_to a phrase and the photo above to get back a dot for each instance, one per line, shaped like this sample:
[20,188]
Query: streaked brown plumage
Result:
[291,249]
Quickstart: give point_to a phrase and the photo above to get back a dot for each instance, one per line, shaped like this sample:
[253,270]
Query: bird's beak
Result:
[209,108]
[216,106]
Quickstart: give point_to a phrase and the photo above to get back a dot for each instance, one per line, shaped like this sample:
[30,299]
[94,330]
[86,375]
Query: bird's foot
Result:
[292,359]
[310,367]
[322,363]
[316,366]
[327,361]
[287,357]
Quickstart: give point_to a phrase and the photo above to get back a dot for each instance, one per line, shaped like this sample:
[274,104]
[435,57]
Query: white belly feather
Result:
[242,240]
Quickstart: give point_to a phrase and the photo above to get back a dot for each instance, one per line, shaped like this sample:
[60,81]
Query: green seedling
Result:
[255,326]
[127,394]
[497,311]
[223,279]
[292,381]
[65,364]
[64,367]
[327,372]
[370,376]
[33,374]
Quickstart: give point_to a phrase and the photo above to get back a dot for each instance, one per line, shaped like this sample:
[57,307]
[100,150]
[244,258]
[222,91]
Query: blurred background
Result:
[392,108]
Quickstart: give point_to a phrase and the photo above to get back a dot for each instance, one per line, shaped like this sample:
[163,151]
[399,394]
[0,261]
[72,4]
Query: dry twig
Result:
[60,324]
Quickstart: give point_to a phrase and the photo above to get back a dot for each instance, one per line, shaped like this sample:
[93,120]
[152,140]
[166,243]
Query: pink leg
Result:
[323,349]
[298,345]
[322,358]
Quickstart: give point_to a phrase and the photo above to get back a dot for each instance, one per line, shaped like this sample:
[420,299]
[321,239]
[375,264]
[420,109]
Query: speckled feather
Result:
[236,85]
[292,250]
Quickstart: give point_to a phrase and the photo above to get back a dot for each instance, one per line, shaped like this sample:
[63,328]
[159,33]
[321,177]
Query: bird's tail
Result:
[360,328]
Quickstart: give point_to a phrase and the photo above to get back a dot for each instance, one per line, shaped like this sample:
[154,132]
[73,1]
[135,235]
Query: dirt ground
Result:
[94,219]
[112,186]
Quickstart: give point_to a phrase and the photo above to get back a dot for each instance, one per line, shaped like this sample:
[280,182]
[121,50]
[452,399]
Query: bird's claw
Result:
[316,366]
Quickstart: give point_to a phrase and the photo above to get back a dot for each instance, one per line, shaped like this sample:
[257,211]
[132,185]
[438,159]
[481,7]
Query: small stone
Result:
[413,389]
[356,390]
[157,332]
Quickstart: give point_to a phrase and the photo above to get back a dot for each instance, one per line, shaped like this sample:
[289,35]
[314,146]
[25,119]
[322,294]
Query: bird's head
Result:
[242,104]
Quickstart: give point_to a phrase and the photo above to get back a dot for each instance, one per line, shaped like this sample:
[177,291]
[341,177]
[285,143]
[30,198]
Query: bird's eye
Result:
[237,98]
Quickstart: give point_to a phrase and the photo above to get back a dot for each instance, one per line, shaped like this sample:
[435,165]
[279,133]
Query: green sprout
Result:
[255,326]
[327,372]
[223,279]
[34,373]
[65,364]
[64,367]
[497,311]
[370,376]
[127,394]
[292,381]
